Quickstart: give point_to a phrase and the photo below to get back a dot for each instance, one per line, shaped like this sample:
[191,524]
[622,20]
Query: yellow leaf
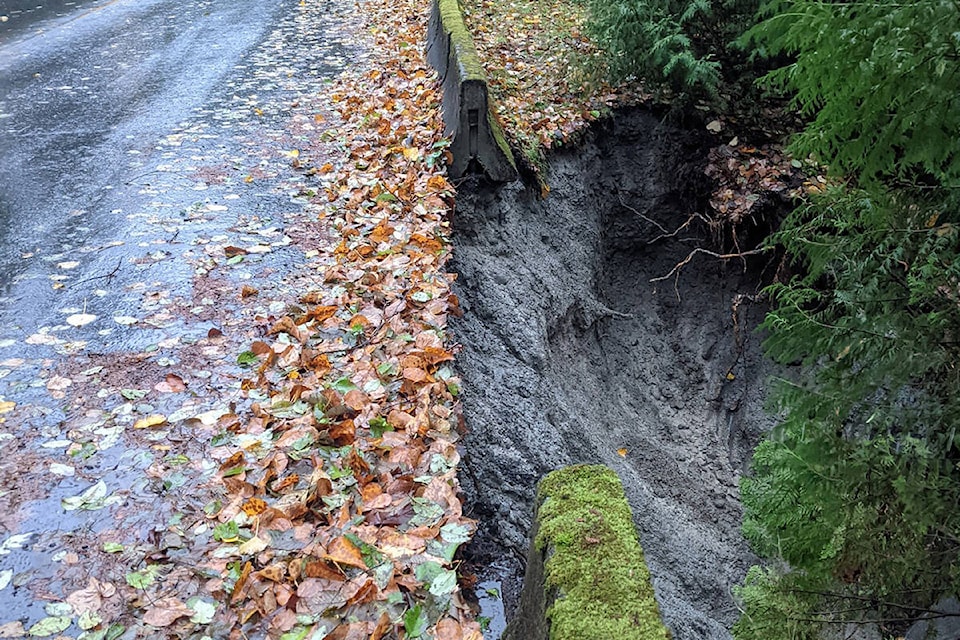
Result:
[622,452]
[730,376]
[150,421]
[7,406]
[253,545]
[248,179]
[411,153]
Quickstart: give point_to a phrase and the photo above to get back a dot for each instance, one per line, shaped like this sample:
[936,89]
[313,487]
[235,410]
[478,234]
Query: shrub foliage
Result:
[859,486]
[682,44]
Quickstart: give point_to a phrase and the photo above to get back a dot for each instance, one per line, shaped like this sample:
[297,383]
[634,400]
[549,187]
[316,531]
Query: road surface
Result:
[138,139]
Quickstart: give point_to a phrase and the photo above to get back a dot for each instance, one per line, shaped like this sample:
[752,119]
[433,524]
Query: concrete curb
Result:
[586,577]
[469,120]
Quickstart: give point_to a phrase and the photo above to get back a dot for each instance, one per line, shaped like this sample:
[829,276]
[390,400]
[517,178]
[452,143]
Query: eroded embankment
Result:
[571,354]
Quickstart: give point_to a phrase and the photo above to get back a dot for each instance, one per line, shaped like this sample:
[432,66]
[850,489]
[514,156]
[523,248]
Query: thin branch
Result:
[720,256]
[105,275]
[637,213]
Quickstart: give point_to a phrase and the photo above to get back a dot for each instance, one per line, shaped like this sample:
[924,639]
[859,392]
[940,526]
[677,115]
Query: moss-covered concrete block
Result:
[470,122]
[586,577]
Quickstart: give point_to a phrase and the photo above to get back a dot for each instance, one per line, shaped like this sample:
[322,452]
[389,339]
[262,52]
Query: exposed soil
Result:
[571,354]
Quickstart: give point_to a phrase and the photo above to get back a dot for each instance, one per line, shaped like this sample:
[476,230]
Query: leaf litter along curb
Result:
[364,348]
[342,514]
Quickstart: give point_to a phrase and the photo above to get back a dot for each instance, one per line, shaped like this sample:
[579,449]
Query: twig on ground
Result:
[104,275]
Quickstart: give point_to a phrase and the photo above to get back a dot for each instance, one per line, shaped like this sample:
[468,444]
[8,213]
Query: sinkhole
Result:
[573,352]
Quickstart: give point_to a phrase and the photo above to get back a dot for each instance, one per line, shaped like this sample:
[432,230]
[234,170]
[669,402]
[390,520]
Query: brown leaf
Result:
[278,486]
[231,462]
[273,573]
[383,627]
[90,598]
[285,325]
[356,399]
[246,291]
[322,313]
[343,432]
[448,629]
[172,383]
[254,507]
[232,252]
[350,631]
[317,594]
[315,568]
[414,374]
[344,552]
[237,594]
[165,612]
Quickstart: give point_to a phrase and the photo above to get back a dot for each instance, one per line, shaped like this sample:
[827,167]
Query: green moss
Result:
[596,566]
[461,40]
[499,138]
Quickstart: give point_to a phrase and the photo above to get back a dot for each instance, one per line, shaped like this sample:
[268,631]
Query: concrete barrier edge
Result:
[477,137]
[586,576]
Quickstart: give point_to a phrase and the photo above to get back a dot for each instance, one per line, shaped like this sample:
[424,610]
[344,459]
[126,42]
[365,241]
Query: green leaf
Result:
[343,385]
[50,626]
[227,531]
[203,611]
[143,578]
[234,471]
[415,622]
[247,359]
[113,547]
[370,554]
[426,513]
[133,394]
[88,620]
[455,533]
[213,507]
[379,426]
[92,499]
[444,583]
[427,571]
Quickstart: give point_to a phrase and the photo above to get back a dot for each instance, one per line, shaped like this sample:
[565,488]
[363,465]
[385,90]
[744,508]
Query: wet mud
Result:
[571,353]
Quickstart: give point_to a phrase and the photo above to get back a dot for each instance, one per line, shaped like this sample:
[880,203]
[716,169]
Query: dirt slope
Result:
[571,354]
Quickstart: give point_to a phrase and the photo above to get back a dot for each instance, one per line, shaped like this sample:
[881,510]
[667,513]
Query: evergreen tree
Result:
[681,44]
[858,488]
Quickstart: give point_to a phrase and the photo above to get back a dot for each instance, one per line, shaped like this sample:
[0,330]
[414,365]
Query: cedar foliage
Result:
[858,488]
[878,78]
[680,44]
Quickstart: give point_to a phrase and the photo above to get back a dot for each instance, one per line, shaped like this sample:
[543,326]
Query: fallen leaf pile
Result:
[744,175]
[537,58]
[341,516]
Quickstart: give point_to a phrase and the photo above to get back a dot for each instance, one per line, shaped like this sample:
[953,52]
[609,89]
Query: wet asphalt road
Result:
[138,138]
[86,91]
